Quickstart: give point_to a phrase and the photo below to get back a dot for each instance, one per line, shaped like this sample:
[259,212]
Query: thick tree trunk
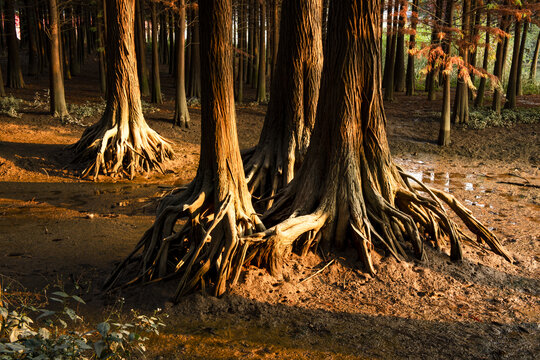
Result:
[121,143]
[348,188]
[511,90]
[519,85]
[293,100]
[156,84]
[479,100]
[140,48]
[411,79]
[181,113]
[57,98]
[207,252]
[534,63]
[14,73]
[261,84]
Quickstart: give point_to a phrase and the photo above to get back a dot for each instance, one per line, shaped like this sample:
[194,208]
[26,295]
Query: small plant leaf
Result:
[61,294]
[99,346]
[78,299]
[103,328]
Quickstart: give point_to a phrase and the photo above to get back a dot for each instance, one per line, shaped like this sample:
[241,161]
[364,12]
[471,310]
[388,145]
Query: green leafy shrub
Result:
[483,118]
[10,106]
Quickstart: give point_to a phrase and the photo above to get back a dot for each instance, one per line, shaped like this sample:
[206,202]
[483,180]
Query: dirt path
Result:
[56,228]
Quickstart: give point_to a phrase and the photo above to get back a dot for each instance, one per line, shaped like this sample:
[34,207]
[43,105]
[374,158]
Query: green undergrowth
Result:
[48,326]
[484,118]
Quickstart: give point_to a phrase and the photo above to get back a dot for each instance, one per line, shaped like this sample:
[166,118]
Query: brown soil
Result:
[56,228]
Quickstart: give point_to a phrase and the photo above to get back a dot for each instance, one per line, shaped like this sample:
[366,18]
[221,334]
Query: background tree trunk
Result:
[410,81]
[534,63]
[261,85]
[444,130]
[181,113]
[14,72]
[57,98]
[511,90]
[479,100]
[519,87]
[194,84]
[461,99]
[140,48]
[156,84]
[399,70]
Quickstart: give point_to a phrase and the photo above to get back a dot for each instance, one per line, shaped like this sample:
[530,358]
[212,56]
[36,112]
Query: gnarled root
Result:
[122,150]
[208,250]
[367,217]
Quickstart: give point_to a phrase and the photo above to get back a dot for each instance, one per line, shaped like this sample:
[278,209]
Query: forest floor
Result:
[56,229]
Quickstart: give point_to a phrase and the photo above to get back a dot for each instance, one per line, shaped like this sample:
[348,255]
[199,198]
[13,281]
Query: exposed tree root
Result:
[206,251]
[121,150]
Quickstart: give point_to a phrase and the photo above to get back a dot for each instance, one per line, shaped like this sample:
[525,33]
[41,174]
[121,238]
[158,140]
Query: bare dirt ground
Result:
[58,229]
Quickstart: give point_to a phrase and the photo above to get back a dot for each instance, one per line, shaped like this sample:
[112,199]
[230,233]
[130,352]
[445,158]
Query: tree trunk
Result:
[255,50]
[163,38]
[101,49]
[293,100]
[261,85]
[242,50]
[156,84]
[57,98]
[399,70]
[33,56]
[433,56]
[479,100]
[195,63]
[390,65]
[275,29]
[172,45]
[140,48]
[14,72]
[389,35]
[121,143]
[410,81]
[74,65]
[208,252]
[181,113]
[499,66]
[519,85]
[534,63]
[461,100]
[348,187]
[444,130]
[511,90]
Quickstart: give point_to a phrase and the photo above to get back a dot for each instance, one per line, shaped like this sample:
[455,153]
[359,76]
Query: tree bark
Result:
[348,187]
[140,48]
[33,56]
[499,66]
[444,130]
[411,78]
[461,100]
[261,84]
[399,70]
[242,51]
[57,98]
[194,85]
[534,63]
[519,85]
[101,48]
[156,84]
[390,64]
[14,73]
[293,100]
[121,143]
[433,54]
[479,100]
[208,252]
[181,113]
[511,90]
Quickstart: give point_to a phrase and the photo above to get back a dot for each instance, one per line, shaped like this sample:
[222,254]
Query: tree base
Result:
[121,150]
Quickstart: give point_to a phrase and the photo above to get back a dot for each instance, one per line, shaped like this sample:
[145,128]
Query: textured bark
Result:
[479,100]
[534,63]
[511,90]
[14,73]
[121,143]
[499,66]
[57,98]
[444,130]
[261,83]
[100,41]
[208,251]
[73,52]
[2,90]
[348,190]
[293,100]
[410,80]
[33,56]
[242,50]
[156,83]
[519,85]
[172,53]
[390,64]
[140,48]
[433,58]
[181,113]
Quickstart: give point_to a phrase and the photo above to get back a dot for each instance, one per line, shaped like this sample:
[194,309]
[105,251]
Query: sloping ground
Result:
[56,228]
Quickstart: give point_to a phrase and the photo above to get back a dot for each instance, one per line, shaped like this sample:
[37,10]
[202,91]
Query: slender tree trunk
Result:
[444,130]
[33,57]
[242,48]
[511,90]
[156,84]
[255,53]
[519,86]
[195,64]
[181,113]
[172,45]
[121,143]
[261,85]
[293,100]
[101,49]
[433,54]
[399,70]
[499,66]
[275,29]
[14,72]
[479,100]
[57,99]
[461,100]
[389,35]
[74,65]
[163,38]
[141,48]
[410,81]
[389,71]
[534,63]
